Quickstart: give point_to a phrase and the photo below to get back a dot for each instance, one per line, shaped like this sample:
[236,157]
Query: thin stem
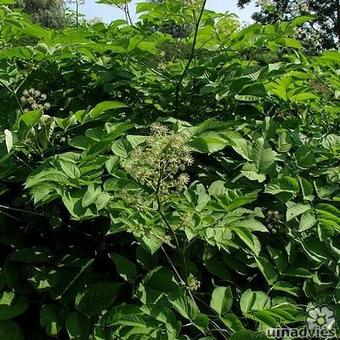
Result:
[160,206]
[220,330]
[11,216]
[163,240]
[154,70]
[77,13]
[13,93]
[23,162]
[127,13]
[173,267]
[21,210]
[161,212]
[190,57]
[82,270]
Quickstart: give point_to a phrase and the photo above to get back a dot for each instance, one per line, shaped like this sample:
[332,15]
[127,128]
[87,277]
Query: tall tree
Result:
[49,13]
[76,4]
[322,33]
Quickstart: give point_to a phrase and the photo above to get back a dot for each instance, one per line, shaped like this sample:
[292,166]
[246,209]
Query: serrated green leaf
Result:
[125,268]
[295,210]
[101,108]
[221,300]
[96,297]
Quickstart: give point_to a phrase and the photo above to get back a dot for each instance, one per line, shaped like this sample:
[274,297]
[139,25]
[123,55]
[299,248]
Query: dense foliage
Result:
[163,187]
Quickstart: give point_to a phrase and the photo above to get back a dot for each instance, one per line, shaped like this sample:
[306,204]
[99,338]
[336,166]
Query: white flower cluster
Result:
[304,7]
[34,100]
[160,163]
[265,3]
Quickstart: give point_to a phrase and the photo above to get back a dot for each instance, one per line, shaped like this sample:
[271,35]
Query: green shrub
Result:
[156,187]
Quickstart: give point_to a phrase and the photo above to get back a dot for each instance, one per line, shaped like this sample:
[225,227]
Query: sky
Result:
[108,13]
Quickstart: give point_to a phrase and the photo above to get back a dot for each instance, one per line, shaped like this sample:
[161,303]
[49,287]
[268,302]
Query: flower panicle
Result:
[160,163]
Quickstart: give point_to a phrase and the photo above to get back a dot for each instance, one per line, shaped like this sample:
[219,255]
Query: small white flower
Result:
[320,317]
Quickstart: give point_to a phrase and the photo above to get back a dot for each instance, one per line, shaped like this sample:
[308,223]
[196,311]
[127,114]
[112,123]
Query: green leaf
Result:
[307,221]
[253,301]
[246,98]
[287,287]
[7,2]
[263,156]
[43,278]
[282,184]
[135,140]
[315,249]
[77,326]
[29,255]
[102,200]
[306,188]
[251,224]
[70,169]
[305,157]
[90,195]
[10,139]
[330,56]
[184,305]
[103,107]
[216,139]
[165,316]
[73,202]
[301,97]
[156,283]
[29,119]
[52,319]
[81,142]
[249,239]
[279,258]
[289,42]
[217,188]
[125,268]
[46,175]
[96,298]
[285,142]
[209,142]
[10,330]
[249,170]
[152,244]
[295,210]
[233,323]
[267,269]
[218,268]
[120,149]
[221,300]
[328,216]
[7,298]
[11,307]
[301,20]
[243,148]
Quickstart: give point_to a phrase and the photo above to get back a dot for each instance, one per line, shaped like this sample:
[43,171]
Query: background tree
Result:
[323,33]
[76,3]
[48,13]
